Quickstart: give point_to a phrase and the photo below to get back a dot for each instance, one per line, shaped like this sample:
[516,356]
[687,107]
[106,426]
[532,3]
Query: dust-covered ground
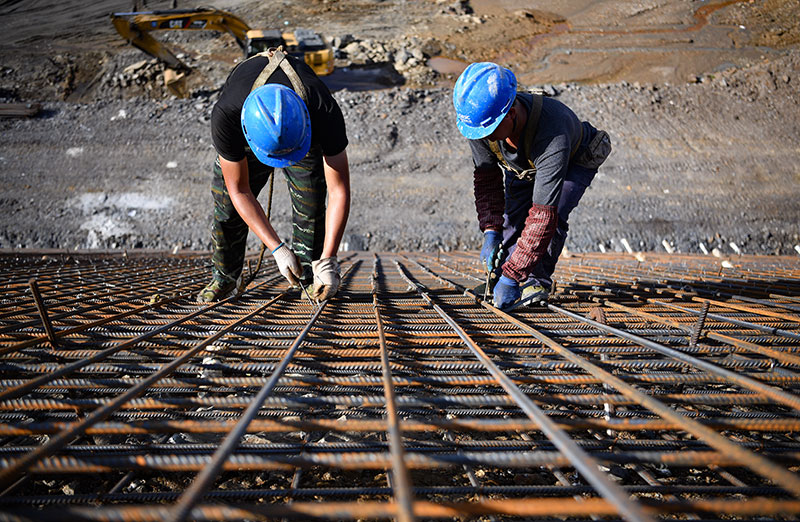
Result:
[700,98]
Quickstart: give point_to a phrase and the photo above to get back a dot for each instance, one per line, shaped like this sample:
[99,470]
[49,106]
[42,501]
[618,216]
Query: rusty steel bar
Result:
[203,481]
[48,327]
[93,324]
[22,389]
[539,507]
[130,289]
[787,479]
[588,467]
[298,380]
[80,287]
[137,426]
[402,483]
[745,324]
[781,356]
[772,392]
[383,385]
[750,309]
[372,401]
[11,472]
[374,460]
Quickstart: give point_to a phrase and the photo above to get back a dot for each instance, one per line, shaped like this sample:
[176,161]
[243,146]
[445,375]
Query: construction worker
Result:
[274,112]
[533,159]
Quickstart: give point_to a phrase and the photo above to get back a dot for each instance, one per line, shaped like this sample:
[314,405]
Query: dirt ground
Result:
[700,98]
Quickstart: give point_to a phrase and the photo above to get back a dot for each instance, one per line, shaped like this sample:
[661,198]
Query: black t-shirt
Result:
[327,123]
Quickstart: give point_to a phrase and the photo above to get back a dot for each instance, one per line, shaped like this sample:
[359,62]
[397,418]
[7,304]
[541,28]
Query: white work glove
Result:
[288,264]
[326,277]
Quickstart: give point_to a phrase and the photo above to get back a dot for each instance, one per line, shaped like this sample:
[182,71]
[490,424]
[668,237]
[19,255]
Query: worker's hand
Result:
[326,277]
[491,246]
[506,292]
[288,264]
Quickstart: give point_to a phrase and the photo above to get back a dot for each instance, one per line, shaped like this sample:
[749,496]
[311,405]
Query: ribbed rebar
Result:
[650,386]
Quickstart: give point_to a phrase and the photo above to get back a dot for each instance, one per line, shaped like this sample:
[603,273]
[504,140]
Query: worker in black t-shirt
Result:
[274,112]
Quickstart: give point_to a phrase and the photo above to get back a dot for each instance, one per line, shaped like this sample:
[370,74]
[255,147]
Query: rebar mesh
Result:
[663,386]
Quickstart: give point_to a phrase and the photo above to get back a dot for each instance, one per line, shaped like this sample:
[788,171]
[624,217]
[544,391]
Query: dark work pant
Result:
[307,189]
[519,199]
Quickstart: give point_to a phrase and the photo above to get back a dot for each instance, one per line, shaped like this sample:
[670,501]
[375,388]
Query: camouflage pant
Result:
[307,188]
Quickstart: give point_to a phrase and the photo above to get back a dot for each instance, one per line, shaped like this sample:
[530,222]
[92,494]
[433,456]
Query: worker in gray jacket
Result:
[549,158]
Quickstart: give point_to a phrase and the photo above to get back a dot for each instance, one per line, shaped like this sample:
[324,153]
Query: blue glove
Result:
[506,292]
[491,244]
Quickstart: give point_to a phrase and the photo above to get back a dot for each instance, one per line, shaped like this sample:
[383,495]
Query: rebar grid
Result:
[655,386]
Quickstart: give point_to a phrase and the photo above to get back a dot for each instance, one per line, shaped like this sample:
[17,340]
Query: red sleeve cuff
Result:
[540,226]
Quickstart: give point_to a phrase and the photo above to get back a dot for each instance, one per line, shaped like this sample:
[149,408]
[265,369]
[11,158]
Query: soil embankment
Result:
[701,100]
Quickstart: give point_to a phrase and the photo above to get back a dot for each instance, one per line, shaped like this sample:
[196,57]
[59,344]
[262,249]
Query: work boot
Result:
[216,290]
[533,295]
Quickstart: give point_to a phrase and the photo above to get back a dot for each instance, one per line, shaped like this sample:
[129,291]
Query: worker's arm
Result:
[237,181]
[490,198]
[337,178]
[488,186]
[540,225]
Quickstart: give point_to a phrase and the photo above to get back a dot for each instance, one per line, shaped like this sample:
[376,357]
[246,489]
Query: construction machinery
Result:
[135,27]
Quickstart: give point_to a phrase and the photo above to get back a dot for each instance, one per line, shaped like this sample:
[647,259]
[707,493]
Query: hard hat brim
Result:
[286,160]
[479,132]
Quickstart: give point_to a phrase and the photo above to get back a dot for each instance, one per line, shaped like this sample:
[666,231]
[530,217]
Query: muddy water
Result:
[602,41]
[444,65]
[362,78]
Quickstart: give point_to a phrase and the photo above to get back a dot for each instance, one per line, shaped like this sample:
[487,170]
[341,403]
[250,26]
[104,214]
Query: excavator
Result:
[135,27]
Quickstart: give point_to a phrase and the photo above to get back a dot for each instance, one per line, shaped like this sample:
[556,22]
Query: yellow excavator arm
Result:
[135,27]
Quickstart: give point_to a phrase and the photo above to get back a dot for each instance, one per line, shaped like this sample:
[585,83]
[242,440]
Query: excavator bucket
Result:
[175,82]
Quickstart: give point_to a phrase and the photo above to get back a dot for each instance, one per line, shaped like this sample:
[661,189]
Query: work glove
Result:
[288,264]
[491,246]
[506,292]
[326,277]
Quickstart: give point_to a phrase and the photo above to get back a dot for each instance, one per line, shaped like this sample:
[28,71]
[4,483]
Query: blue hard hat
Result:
[482,96]
[276,125]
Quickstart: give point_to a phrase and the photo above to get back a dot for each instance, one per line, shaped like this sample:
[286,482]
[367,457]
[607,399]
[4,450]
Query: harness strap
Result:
[277,58]
[578,144]
[531,126]
[530,132]
[496,151]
